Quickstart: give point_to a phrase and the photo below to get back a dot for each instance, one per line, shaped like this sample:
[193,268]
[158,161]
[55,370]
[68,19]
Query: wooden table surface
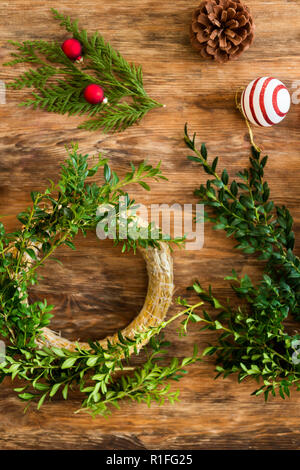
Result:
[98,290]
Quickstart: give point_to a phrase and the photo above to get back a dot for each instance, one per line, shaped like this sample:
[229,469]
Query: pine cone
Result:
[222,29]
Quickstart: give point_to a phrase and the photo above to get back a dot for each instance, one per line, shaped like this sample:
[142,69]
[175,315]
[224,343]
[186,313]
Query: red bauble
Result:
[94,94]
[72,48]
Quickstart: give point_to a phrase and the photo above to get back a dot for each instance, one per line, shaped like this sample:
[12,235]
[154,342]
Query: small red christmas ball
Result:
[72,48]
[94,94]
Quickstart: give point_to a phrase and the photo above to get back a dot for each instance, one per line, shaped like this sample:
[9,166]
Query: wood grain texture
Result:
[98,290]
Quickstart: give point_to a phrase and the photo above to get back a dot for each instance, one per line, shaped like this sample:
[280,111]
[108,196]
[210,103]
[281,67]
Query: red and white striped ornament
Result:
[265,101]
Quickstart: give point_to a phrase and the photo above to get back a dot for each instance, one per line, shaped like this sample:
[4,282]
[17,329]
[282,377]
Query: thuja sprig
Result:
[253,340]
[58,82]
[54,219]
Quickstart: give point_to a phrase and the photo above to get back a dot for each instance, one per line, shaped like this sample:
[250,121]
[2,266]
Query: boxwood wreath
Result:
[100,370]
